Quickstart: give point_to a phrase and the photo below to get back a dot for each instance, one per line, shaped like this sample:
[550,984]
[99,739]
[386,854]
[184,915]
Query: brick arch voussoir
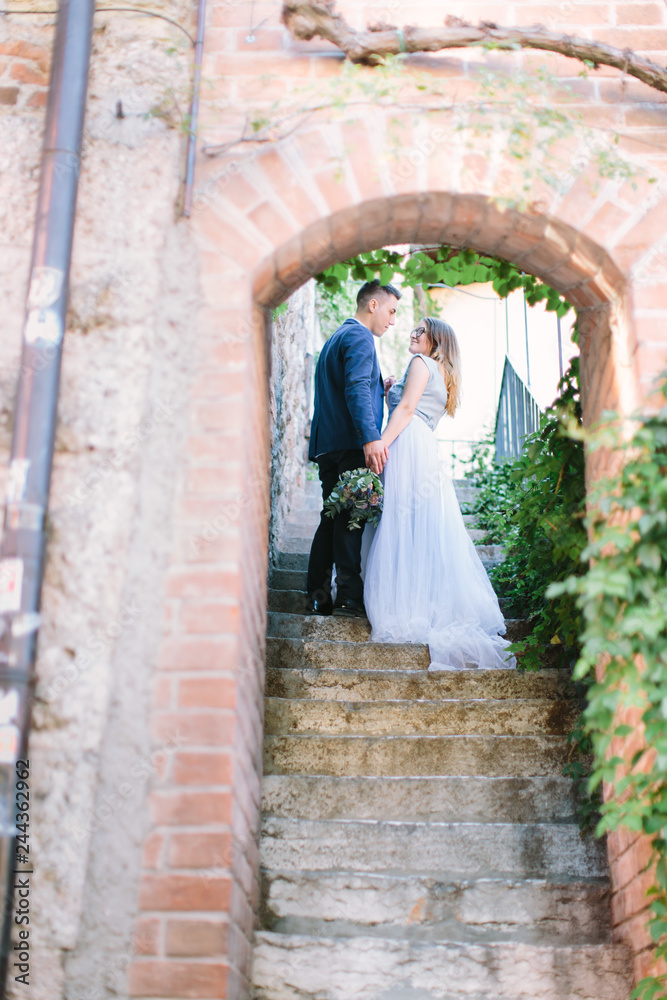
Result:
[541,245]
[546,246]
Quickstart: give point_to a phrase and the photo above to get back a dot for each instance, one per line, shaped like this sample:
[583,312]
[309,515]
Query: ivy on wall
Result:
[441,265]
[535,506]
[623,600]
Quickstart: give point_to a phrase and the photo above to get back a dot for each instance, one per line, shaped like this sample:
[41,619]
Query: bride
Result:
[424,581]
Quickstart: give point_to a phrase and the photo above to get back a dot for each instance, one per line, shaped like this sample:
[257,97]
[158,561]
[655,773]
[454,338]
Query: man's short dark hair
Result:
[372,289]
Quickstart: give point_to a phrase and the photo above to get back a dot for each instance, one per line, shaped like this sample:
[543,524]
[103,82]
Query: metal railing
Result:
[518,415]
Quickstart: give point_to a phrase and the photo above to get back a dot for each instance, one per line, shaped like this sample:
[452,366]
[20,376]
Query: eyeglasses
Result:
[416,334]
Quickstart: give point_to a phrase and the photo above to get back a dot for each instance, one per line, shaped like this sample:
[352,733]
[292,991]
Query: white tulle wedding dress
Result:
[423,579]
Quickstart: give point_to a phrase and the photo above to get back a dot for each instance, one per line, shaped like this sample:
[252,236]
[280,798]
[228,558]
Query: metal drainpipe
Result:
[194,110]
[24,539]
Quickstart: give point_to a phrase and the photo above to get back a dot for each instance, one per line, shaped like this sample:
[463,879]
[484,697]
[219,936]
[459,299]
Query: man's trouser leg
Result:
[333,541]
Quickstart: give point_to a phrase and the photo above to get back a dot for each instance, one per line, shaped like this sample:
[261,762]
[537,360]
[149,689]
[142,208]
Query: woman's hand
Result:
[388,382]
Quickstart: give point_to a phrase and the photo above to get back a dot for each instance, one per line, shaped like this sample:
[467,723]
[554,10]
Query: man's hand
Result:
[375,454]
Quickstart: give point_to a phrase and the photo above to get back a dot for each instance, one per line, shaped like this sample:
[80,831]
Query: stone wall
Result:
[294,335]
[126,375]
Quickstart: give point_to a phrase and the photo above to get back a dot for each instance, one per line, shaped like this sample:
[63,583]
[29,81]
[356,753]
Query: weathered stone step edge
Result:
[294,601]
[451,717]
[300,545]
[307,518]
[297,536]
[446,851]
[291,625]
[313,486]
[351,903]
[371,685]
[354,655]
[366,655]
[379,756]
[287,579]
[293,581]
[475,799]
[298,560]
[300,967]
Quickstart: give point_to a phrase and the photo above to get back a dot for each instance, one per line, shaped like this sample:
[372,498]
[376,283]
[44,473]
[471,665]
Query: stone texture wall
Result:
[126,376]
[294,335]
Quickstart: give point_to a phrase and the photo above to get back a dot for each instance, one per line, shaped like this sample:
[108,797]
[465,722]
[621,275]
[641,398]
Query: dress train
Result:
[423,579]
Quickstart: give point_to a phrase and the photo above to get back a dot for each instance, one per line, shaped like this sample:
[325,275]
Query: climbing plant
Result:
[517,111]
[535,506]
[441,265]
[622,597]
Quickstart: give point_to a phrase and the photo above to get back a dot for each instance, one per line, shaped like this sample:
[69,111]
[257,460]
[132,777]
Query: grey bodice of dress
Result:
[431,406]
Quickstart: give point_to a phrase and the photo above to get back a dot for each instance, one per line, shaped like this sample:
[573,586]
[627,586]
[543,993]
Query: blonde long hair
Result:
[445,350]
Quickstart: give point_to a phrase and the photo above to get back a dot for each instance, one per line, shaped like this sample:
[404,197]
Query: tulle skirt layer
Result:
[423,579]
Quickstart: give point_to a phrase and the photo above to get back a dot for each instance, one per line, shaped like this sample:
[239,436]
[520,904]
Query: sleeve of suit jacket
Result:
[359,360]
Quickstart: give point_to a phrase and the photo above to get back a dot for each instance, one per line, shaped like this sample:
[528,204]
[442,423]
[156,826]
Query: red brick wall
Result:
[198,895]
[24,74]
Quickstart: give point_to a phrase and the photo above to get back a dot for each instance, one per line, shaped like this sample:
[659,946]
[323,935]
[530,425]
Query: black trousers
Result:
[333,541]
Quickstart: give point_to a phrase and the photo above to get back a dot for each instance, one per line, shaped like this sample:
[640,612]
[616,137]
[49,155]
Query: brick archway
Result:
[263,227]
[552,250]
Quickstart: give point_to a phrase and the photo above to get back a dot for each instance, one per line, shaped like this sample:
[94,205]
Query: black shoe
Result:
[315,607]
[347,607]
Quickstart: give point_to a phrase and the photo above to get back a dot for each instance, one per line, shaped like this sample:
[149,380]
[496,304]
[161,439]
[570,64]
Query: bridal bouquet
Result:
[360,492]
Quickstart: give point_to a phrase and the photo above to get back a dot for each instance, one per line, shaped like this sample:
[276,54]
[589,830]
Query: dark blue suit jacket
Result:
[349,392]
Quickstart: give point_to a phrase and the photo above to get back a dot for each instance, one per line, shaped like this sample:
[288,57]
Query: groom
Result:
[345,435]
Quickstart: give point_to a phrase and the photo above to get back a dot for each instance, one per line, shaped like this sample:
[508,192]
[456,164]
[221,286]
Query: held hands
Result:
[375,454]
[388,382]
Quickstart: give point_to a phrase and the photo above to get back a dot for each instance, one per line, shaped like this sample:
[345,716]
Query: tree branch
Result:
[318,18]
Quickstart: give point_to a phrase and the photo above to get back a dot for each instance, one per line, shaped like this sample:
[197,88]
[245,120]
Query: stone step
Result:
[300,541]
[491,555]
[301,523]
[287,591]
[307,518]
[364,655]
[331,628]
[416,685]
[501,717]
[286,601]
[296,544]
[441,799]
[348,655]
[306,499]
[295,559]
[447,851]
[287,579]
[293,626]
[462,487]
[466,494]
[495,756]
[348,904]
[304,967]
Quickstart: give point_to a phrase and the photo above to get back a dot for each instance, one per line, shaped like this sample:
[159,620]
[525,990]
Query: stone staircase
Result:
[419,840]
